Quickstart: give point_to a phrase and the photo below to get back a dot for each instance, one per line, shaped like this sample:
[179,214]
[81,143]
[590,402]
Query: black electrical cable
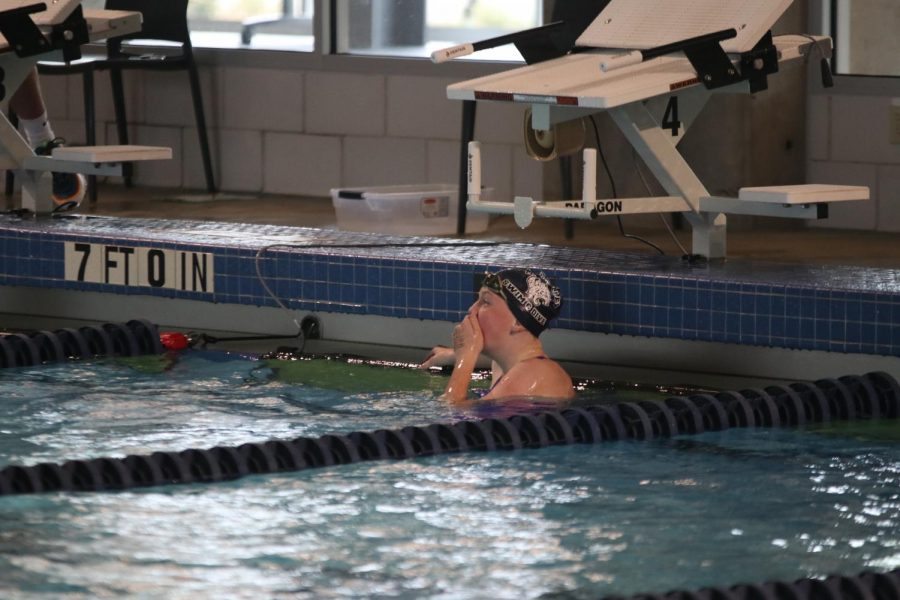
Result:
[388,245]
[612,185]
[211,339]
[637,169]
[309,328]
[824,66]
[65,207]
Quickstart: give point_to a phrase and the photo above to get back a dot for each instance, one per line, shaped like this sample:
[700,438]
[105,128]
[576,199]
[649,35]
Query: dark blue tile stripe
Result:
[841,309]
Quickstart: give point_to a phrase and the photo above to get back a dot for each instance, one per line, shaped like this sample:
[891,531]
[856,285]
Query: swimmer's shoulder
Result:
[545,378]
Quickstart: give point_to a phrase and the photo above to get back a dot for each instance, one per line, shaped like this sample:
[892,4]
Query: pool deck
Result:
[830,309]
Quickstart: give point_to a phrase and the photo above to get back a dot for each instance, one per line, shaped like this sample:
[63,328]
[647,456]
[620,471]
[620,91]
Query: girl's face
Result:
[494,317]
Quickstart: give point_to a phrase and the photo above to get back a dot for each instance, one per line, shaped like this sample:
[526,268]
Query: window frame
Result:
[821,18]
[325,56]
[837,30]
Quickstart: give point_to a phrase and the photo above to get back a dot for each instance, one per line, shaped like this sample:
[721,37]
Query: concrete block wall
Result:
[302,132]
[848,133]
[302,126]
[848,142]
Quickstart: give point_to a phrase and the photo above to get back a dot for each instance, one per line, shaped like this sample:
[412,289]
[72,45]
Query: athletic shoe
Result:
[67,187]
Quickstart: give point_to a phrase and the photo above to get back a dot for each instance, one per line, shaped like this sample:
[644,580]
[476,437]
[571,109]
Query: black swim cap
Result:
[530,295]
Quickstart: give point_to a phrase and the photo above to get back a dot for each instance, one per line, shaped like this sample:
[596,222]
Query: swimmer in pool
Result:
[512,309]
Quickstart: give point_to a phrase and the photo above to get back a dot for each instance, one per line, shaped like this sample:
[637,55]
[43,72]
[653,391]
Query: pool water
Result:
[578,521]
[205,399]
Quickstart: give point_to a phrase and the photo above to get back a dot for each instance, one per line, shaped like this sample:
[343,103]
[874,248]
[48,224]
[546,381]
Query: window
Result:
[370,27]
[865,36]
[418,27]
[261,24]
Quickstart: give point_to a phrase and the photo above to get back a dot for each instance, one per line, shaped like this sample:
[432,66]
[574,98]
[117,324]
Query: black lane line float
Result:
[870,396]
[134,338]
[864,586]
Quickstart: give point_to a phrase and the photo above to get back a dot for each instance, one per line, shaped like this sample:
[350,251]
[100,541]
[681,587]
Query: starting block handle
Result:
[20,31]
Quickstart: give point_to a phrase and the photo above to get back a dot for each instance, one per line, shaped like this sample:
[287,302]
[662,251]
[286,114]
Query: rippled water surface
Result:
[578,521]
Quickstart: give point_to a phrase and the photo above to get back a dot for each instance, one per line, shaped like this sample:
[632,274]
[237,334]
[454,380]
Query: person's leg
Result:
[28,104]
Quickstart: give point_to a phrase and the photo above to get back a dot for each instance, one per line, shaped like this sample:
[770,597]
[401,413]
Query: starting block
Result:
[32,31]
[652,65]
[803,194]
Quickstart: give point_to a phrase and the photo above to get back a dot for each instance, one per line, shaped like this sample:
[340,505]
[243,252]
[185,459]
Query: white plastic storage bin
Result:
[428,209]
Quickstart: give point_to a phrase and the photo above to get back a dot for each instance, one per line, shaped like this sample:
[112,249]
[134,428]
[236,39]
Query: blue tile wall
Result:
[840,309]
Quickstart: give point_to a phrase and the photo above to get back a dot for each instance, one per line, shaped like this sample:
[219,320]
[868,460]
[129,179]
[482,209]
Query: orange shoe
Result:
[67,187]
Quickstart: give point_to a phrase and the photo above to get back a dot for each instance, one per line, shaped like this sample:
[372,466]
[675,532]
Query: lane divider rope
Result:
[134,338]
[871,396]
[864,586]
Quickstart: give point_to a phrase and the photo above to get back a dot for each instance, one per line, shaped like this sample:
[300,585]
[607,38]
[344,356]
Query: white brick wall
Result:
[150,173]
[235,171]
[371,161]
[848,143]
[859,130]
[296,164]
[848,215]
[443,161]
[497,170]
[260,99]
[166,99]
[889,198]
[818,125]
[418,107]
[302,132]
[345,104]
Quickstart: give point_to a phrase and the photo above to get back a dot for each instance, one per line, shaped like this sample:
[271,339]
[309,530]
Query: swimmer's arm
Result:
[457,390]
[442,356]
[467,345]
